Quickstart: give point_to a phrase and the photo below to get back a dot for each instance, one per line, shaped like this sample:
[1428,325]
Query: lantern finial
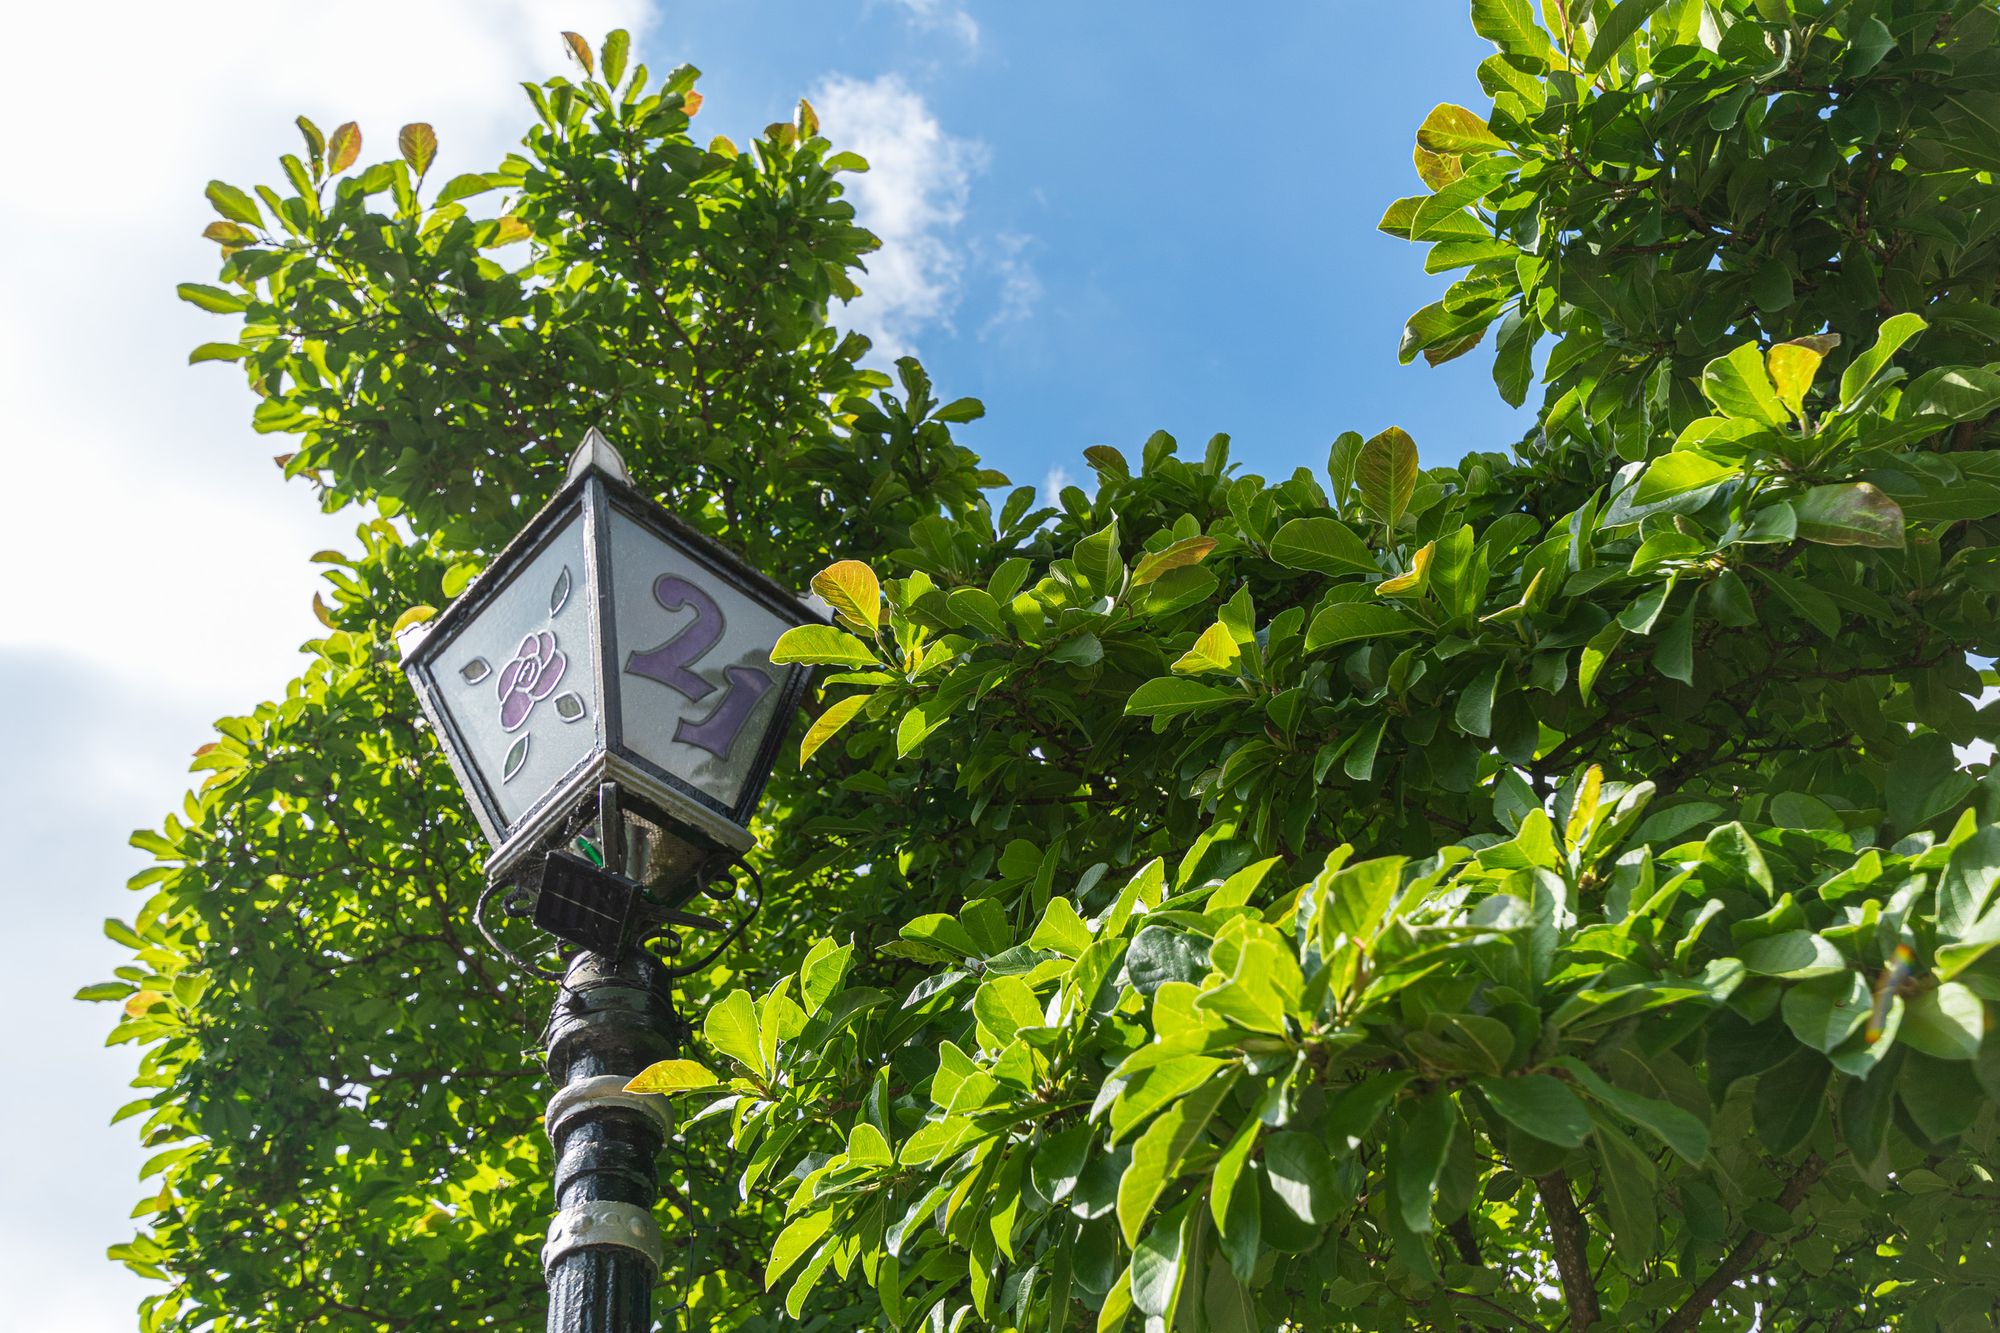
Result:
[597,452]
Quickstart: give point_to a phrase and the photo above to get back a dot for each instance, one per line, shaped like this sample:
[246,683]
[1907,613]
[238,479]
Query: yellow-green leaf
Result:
[822,645]
[853,591]
[828,724]
[1792,366]
[1454,130]
[793,1242]
[416,615]
[670,1076]
[233,204]
[1215,650]
[1186,551]
[1416,580]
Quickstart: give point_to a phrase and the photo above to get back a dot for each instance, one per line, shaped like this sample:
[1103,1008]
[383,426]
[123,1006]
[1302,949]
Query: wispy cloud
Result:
[913,197]
[942,16]
[1020,287]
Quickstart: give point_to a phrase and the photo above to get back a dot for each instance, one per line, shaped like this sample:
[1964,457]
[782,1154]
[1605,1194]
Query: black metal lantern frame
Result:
[687,831]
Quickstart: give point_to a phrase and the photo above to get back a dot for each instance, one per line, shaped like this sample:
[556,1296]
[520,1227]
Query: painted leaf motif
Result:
[569,706]
[476,670]
[517,756]
[559,595]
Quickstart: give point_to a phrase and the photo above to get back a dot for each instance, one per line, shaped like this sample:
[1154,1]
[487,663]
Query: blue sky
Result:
[1103,219]
[1168,221]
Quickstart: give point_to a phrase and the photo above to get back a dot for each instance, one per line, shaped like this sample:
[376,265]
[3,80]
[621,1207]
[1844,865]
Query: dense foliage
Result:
[1553,890]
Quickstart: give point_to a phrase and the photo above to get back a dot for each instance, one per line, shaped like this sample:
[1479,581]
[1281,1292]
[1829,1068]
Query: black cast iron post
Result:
[612,1018]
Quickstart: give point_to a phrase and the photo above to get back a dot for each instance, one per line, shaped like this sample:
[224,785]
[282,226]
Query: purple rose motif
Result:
[530,678]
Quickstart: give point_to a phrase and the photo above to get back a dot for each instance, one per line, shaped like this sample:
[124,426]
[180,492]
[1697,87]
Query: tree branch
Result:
[1571,1235]
[1738,1259]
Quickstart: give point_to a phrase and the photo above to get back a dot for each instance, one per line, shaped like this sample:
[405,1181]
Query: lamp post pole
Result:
[612,1018]
[610,662]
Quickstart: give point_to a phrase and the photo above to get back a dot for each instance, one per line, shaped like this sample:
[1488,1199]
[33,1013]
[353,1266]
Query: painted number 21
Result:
[673,662]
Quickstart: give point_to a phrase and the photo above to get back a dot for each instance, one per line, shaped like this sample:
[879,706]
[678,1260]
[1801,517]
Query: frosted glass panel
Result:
[518,683]
[697,690]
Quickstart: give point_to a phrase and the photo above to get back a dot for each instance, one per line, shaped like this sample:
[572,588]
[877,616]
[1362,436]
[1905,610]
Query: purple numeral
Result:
[672,665]
[672,662]
[717,732]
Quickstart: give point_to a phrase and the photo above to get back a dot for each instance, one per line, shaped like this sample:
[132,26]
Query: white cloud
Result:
[940,16]
[1020,286]
[1051,490]
[913,196]
[156,562]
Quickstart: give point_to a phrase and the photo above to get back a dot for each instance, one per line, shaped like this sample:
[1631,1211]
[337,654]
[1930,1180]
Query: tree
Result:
[1545,891]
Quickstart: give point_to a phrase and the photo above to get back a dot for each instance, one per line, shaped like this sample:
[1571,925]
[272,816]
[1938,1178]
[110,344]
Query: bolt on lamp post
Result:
[606,696]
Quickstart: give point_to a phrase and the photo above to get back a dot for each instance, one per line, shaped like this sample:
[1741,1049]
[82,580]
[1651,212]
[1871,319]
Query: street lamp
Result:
[606,696]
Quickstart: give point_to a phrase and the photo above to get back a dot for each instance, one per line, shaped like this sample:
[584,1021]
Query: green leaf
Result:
[1324,545]
[1359,761]
[1792,366]
[1156,1270]
[1510,25]
[731,1028]
[1849,514]
[1214,650]
[1889,339]
[1181,554]
[1616,29]
[617,45]
[1058,1162]
[1097,559]
[822,645]
[1679,1129]
[1418,1140]
[1739,387]
[828,724]
[799,1236]
[1947,1023]
[1344,622]
[977,607]
[1678,473]
[1385,474]
[1301,1175]
[1540,1105]
[217,352]
[233,204]
[1453,129]
[1474,711]
[1628,1179]
[1061,930]
[212,299]
[1156,1157]
[1794,953]
[1825,1011]
[1674,657]
[1169,697]
[669,1076]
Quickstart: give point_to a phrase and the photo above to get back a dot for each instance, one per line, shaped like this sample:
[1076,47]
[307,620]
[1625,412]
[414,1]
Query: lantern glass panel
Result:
[519,682]
[697,693]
